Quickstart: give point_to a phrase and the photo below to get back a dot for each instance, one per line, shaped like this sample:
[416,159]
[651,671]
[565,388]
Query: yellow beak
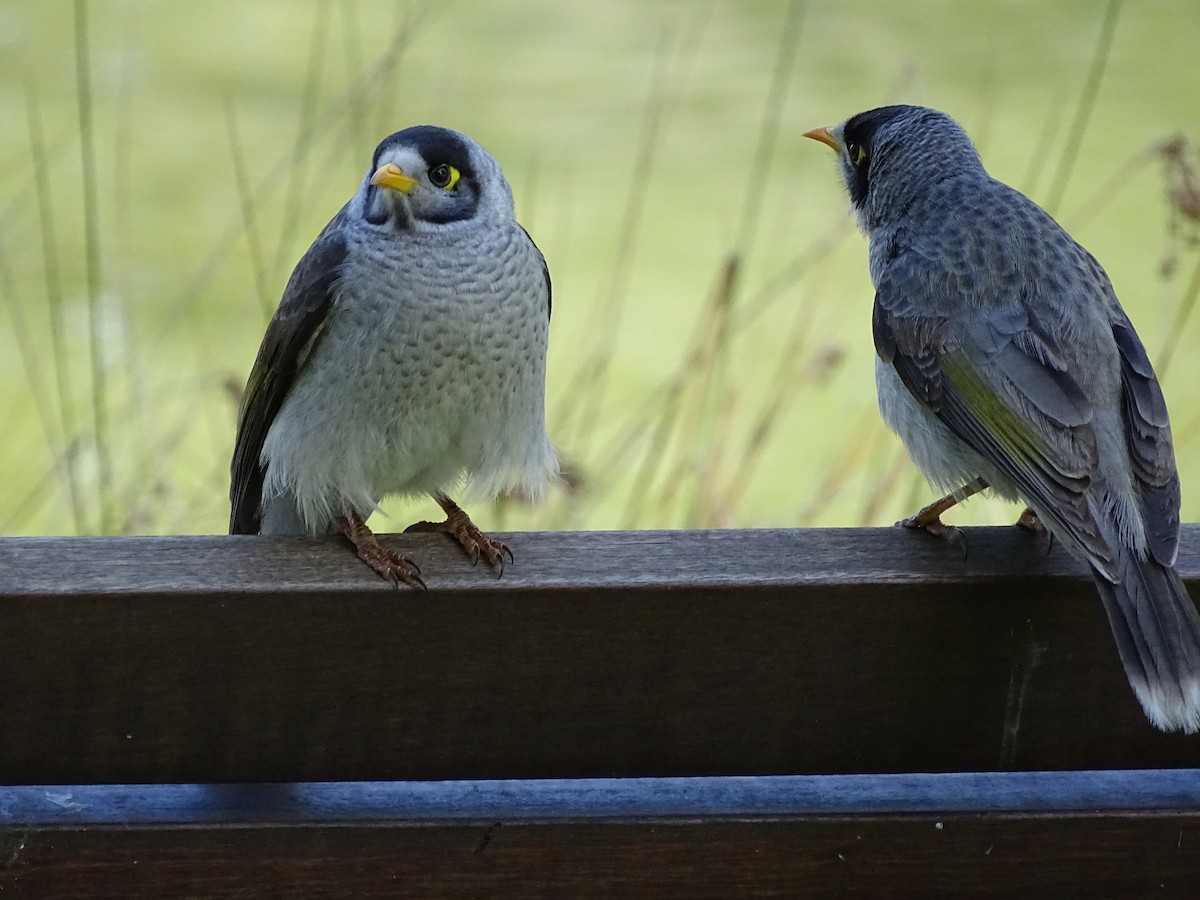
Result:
[825,136]
[392,176]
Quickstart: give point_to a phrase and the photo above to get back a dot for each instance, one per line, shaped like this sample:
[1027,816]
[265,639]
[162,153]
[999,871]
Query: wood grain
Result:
[220,659]
[550,801]
[883,856]
[1126,834]
[816,713]
[609,560]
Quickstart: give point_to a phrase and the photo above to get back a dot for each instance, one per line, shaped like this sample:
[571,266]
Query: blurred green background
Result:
[710,359]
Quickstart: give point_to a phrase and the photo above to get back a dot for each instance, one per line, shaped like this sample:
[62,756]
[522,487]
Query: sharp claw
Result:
[420,582]
[501,550]
[387,564]
[951,535]
[473,542]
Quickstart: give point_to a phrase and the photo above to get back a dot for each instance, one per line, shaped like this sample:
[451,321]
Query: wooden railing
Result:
[773,713]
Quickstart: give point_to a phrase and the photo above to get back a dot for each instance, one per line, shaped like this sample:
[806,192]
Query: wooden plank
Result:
[575,561]
[543,800]
[210,659]
[968,856]
[1085,855]
[970,835]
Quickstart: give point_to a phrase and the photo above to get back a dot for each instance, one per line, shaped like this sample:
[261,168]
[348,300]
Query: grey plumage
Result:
[408,350]
[1003,353]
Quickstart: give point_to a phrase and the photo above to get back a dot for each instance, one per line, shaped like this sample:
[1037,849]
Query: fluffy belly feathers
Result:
[402,394]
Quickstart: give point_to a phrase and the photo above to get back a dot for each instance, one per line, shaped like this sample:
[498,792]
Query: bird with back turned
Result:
[1004,362]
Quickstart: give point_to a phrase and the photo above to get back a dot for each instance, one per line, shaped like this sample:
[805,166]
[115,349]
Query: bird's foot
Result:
[1030,521]
[924,521]
[930,518]
[460,527]
[387,563]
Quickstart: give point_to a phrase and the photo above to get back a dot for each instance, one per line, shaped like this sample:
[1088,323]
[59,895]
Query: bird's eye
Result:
[444,176]
[857,154]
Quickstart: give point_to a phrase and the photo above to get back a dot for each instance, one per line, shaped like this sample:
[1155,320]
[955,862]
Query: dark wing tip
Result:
[305,304]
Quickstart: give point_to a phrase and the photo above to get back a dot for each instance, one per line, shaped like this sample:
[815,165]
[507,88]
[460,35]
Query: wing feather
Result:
[998,382]
[1148,435]
[290,337]
[545,273]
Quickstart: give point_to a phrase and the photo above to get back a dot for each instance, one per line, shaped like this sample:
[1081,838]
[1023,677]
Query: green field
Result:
[710,351]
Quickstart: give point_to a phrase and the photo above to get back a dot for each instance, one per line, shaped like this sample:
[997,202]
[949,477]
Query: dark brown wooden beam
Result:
[208,659]
[970,856]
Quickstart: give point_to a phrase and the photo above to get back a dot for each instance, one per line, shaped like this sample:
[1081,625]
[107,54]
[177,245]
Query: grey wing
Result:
[997,380]
[545,272]
[1148,436]
[290,335]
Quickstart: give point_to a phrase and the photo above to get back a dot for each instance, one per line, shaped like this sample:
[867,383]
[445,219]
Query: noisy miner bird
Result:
[1004,361]
[408,351]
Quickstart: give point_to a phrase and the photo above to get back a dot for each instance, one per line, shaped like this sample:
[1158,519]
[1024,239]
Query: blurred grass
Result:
[710,349]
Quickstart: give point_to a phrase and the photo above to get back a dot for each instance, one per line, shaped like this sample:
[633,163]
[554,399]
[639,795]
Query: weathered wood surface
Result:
[739,655]
[1053,835]
[209,659]
[548,800]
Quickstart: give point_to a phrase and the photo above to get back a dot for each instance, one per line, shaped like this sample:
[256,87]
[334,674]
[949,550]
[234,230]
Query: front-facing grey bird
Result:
[408,353]
[1004,360]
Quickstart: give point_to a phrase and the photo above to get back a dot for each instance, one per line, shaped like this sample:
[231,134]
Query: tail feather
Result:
[1157,630]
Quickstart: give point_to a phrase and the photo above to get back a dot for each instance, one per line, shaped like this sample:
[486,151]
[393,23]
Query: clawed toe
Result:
[393,566]
[1031,522]
[474,542]
[930,518]
[938,528]
[478,544]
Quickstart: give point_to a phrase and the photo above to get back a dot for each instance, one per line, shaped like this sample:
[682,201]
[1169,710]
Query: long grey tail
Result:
[1157,630]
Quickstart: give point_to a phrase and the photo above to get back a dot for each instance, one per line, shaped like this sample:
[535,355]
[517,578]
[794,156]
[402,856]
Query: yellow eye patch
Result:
[444,176]
[857,154]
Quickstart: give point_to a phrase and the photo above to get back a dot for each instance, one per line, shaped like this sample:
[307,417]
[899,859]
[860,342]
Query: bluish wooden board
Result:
[763,797]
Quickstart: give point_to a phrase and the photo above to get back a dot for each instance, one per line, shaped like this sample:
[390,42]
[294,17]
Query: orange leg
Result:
[460,527]
[389,564]
[930,518]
